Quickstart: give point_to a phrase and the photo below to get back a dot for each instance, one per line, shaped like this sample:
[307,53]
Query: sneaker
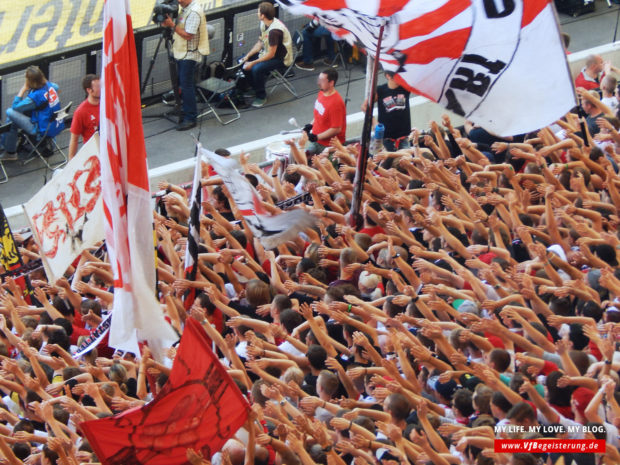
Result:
[8,156]
[259,102]
[185,125]
[331,63]
[304,66]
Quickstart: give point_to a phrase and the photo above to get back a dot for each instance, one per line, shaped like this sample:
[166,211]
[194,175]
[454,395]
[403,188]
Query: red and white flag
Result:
[270,230]
[499,63]
[125,188]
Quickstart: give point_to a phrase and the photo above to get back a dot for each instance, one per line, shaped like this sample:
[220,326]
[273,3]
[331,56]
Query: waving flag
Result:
[499,63]
[125,189]
[199,407]
[193,238]
[271,230]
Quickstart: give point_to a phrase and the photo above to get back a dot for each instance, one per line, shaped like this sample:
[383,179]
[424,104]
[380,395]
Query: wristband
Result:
[328,448]
[349,308]
[607,362]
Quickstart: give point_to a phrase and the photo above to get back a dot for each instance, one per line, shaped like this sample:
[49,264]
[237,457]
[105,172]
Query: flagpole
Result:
[355,218]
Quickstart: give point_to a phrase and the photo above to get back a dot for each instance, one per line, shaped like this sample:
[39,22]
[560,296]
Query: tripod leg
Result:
[174,77]
[151,65]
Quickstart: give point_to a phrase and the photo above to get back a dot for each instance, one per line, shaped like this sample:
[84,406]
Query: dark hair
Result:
[21,450]
[499,400]
[316,356]
[331,74]
[521,411]
[557,395]
[290,319]
[500,358]
[267,9]
[87,81]
[222,152]
[60,338]
[463,401]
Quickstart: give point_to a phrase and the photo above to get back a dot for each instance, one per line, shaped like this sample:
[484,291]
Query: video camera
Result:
[165,8]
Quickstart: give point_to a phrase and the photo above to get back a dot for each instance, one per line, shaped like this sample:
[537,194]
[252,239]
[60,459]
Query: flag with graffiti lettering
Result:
[128,213]
[66,215]
[270,229]
[499,63]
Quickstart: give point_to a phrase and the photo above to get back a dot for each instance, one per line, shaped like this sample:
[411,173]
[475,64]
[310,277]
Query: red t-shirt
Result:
[330,112]
[85,120]
[372,230]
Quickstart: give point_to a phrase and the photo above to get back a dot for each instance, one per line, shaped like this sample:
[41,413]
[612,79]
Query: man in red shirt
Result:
[589,77]
[330,114]
[86,117]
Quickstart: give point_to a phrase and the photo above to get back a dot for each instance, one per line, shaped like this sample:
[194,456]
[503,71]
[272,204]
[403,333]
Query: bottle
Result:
[376,141]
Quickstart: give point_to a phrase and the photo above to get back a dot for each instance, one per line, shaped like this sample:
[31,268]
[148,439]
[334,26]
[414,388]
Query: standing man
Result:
[394,114]
[274,49]
[330,114]
[191,43]
[86,117]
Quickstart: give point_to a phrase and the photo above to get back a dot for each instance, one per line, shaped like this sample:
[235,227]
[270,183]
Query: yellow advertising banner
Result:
[34,27]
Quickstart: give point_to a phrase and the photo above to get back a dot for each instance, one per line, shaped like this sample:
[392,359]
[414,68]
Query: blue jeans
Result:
[20,121]
[309,35]
[188,89]
[257,76]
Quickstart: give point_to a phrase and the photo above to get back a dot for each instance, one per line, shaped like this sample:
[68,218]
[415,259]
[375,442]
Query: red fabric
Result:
[594,350]
[199,407]
[372,230]
[77,332]
[565,411]
[548,367]
[330,112]
[585,82]
[495,341]
[85,120]
[487,257]
[217,320]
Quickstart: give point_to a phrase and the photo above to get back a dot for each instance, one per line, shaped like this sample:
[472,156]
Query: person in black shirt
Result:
[394,114]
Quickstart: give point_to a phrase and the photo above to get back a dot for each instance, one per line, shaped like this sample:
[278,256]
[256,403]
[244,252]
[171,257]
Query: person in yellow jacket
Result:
[190,44]
[273,50]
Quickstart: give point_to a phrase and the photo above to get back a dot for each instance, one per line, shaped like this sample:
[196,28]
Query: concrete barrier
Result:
[422,111]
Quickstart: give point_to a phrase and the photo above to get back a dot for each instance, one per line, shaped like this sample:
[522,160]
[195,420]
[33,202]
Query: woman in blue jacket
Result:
[32,111]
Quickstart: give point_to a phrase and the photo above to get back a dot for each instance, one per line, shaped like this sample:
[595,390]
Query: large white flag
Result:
[66,215]
[126,196]
[499,63]
[271,230]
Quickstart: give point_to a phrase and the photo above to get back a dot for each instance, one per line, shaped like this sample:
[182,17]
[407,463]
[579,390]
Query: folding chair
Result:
[4,128]
[280,75]
[44,146]
[213,88]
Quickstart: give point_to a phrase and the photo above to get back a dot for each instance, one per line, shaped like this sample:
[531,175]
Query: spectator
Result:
[330,114]
[85,120]
[274,50]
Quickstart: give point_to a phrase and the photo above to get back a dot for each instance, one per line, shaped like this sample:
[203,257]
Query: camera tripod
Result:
[175,114]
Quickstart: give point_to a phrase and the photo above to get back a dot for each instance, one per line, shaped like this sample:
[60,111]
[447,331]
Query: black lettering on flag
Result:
[490,8]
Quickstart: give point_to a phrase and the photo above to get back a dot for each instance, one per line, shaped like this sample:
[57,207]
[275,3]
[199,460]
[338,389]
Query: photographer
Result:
[191,43]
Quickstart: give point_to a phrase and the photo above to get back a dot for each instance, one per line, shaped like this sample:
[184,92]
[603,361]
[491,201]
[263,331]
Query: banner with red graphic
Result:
[499,63]
[125,189]
[199,407]
[66,215]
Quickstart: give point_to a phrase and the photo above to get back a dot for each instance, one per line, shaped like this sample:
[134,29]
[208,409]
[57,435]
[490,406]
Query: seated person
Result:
[311,31]
[32,111]
[274,49]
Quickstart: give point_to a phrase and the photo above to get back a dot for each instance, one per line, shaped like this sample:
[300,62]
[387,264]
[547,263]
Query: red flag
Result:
[125,190]
[199,407]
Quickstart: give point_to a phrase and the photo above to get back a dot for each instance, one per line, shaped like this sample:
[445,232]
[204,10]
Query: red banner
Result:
[199,407]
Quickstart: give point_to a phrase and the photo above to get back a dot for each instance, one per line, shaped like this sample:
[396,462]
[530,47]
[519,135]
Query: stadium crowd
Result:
[482,291]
